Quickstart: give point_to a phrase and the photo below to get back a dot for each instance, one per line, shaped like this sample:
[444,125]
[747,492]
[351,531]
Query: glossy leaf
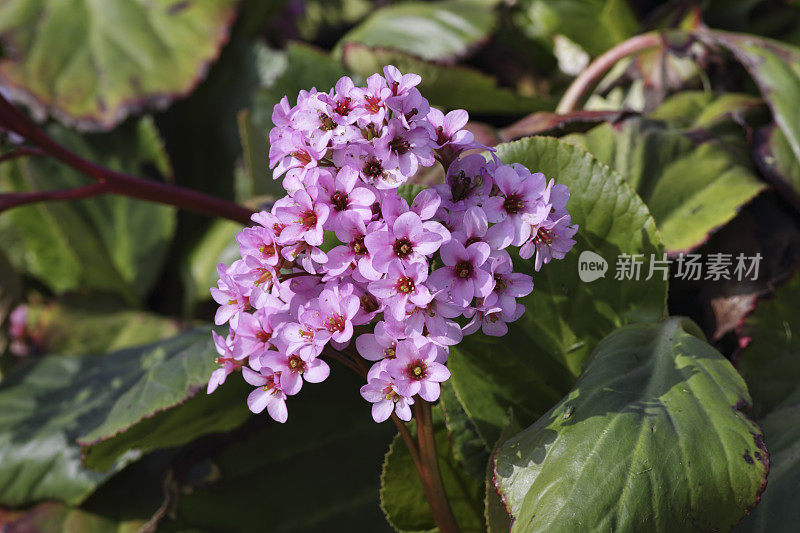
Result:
[402,497]
[690,188]
[770,363]
[445,86]
[429,30]
[110,242]
[50,403]
[93,63]
[537,362]
[652,438]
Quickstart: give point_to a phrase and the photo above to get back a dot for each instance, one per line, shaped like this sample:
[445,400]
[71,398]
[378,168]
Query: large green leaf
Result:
[109,242]
[430,30]
[771,361]
[595,25]
[778,509]
[652,438]
[49,404]
[404,501]
[445,86]
[690,188]
[93,63]
[320,471]
[537,362]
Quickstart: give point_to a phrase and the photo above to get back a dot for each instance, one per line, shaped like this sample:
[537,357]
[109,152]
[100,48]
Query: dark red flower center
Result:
[373,168]
[339,200]
[373,104]
[308,219]
[335,323]
[403,247]
[302,156]
[296,364]
[463,269]
[417,370]
[513,204]
[399,145]
[405,285]
[343,107]
[358,246]
[263,336]
[369,304]
[543,236]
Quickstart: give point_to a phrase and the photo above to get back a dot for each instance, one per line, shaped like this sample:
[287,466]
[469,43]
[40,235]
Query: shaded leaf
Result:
[93,63]
[110,242]
[652,437]
[317,472]
[770,363]
[469,449]
[429,30]
[537,362]
[403,499]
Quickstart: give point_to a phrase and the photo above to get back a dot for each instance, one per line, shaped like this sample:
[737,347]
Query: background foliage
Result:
[595,409]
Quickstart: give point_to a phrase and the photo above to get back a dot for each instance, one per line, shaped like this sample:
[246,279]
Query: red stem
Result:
[589,77]
[429,473]
[7,201]
[14,120]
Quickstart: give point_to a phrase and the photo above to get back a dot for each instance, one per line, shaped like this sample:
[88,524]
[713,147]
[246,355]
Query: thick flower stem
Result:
[12,119]
[429,472]
[589,77]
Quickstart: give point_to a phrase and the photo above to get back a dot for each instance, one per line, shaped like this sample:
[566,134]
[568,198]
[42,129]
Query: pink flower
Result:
[492,320]
[294,369]
[231,297]
[304,218]
[352,232]
[333,313]
[417,371]
[551,239]
[254,333]
[448,129]
[401,286]
[463,277]
[382,392]
[227,359]
[399,83]
[518,206]
[268,395]
[404,148]
[341,196]
[259,242]
[508,285]
[408,242]
[379,345]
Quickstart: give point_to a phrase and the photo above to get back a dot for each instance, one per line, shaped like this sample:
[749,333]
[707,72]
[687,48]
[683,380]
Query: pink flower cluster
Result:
[343,267]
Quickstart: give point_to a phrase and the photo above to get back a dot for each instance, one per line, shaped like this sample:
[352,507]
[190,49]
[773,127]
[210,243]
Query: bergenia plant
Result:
[344,268]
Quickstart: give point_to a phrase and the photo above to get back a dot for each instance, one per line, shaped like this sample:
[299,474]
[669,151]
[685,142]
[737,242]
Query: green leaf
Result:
[429,30]
[690,188]
[771,361]
[317,472]
[50,403]
[651,438]
[402,497]
[594,25]
[779,165]
[110,242]
[93,63]
[10,293]
[199,268]
[537,362]
[774,67]
[778,510]
[703,109]
[445,86]
[469,449]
